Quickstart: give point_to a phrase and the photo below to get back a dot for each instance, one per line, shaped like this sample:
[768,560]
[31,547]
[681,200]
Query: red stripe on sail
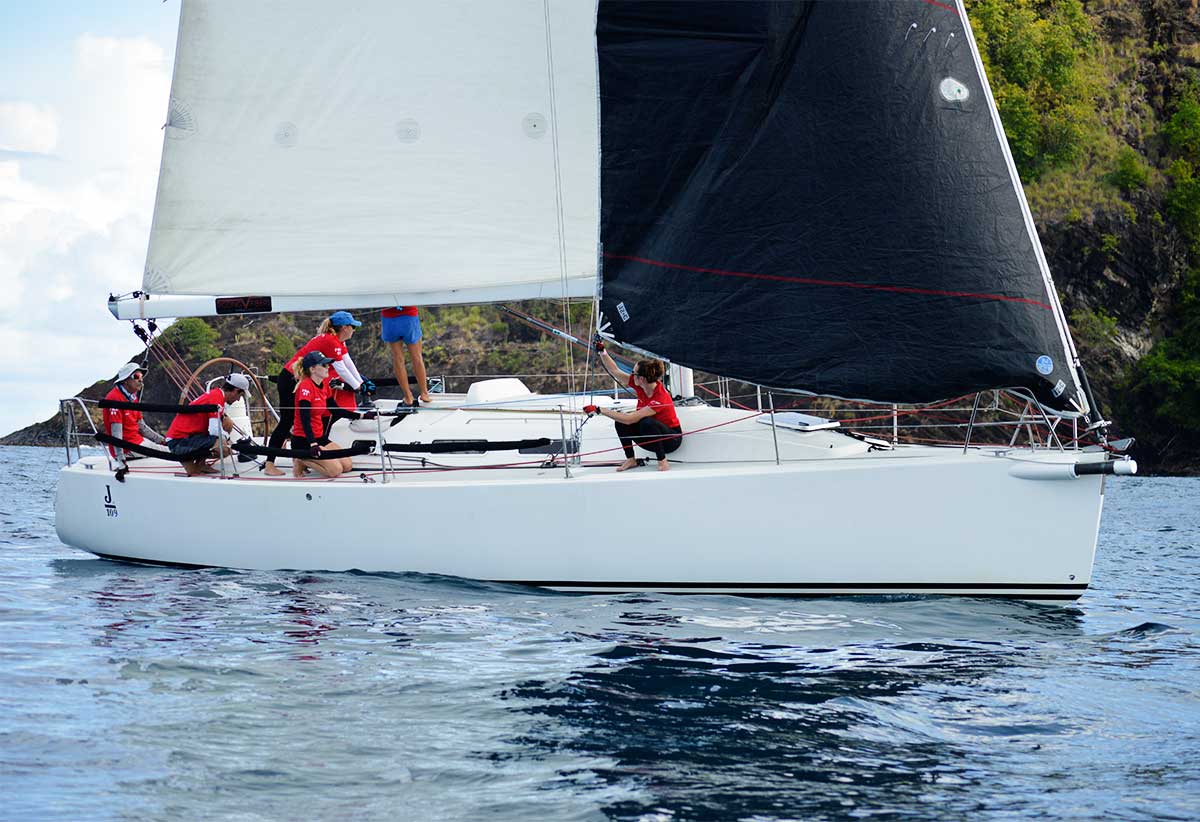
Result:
[899,289]
[941,5]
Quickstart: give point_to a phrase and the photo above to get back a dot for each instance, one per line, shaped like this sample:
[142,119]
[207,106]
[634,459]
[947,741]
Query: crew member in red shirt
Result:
[402,329]
[654,425]
[310,431]
[194,433]
[124,423]
[330,341]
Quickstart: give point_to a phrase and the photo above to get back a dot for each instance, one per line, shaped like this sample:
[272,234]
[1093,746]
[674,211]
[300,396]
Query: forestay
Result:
[387,148]
[818,196]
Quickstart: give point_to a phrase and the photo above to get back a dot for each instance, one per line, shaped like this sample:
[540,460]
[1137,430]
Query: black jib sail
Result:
[817,196]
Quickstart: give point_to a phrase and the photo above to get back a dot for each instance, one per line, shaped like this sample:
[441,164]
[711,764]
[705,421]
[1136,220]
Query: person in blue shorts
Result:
[402,329]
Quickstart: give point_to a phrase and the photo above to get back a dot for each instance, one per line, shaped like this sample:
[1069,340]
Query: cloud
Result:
[28,128]
[74,229]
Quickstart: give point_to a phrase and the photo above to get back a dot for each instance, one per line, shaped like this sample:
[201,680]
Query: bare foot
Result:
[208,469]
[297,469]
[426,398]
[663,466]
[408,400]
[629,463]
[271,471]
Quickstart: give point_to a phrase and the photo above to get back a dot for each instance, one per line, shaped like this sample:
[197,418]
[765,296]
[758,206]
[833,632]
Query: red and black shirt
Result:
[312,410]
[660,401]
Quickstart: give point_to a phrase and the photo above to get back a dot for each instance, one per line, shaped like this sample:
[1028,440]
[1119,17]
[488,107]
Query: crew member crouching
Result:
[192,433]
[654,425]
[310,431]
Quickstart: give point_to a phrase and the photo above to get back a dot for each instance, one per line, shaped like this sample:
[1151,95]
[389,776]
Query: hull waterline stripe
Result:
[1032,596]
[897,289]
[815,586]
[801,589]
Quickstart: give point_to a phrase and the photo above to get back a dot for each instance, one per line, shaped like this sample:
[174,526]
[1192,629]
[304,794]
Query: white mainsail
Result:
[402,149]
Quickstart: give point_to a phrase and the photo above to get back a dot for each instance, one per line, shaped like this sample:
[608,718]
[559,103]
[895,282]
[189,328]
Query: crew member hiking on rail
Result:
[330,341]
[127,424]
[654,425]
[194,433]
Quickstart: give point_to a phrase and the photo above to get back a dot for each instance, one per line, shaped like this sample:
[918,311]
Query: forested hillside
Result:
[1101,105]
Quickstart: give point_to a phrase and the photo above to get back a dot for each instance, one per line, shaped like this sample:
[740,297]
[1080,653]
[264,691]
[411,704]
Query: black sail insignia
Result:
[816,196]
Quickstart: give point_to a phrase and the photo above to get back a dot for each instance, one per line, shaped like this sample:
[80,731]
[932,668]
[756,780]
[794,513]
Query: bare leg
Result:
[346,464]
[627,464]
[400,371]
[328,468]
[418,364]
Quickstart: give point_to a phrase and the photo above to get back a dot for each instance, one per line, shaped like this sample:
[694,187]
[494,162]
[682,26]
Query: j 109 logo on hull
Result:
[110,507]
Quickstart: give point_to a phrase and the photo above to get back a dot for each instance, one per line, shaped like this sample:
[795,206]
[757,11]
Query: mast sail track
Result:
[406,149]
[142,306]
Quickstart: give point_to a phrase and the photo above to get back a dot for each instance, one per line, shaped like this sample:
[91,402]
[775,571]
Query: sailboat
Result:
[810,197]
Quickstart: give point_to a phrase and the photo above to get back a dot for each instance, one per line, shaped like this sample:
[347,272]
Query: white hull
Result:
[916,520]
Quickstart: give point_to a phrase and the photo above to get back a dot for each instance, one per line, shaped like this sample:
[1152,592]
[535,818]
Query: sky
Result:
[84,87]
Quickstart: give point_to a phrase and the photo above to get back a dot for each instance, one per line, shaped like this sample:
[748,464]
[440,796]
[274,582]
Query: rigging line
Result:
[169,366]
[898,289]
[594,327]
[562,238]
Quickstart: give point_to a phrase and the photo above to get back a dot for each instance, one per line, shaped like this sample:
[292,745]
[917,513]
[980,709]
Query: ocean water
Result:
[132,692]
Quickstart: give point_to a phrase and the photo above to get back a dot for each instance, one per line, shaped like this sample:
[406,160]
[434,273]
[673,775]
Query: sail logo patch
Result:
[1059,387]
[623,311]
[1045,365]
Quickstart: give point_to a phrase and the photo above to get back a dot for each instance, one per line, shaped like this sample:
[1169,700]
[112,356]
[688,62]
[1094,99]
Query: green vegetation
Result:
[1182,136]
[1095,329]
[1038,57]
[1163,391]
[282,348]
[1131,172]
[195,339]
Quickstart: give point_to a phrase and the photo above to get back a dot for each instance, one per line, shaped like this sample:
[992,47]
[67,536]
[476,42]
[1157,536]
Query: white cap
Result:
[128,370]
[238,381]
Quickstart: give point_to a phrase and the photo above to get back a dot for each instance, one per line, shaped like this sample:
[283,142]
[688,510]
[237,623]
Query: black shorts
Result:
[305,444]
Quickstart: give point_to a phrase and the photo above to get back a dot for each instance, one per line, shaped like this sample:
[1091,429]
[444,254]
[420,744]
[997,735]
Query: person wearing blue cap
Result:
[330,341]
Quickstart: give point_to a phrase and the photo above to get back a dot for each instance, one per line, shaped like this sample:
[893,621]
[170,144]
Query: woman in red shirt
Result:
[654,425]
[330,341]
[310,430]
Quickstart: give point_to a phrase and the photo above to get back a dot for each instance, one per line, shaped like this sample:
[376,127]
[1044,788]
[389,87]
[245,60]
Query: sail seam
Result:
[900,289]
